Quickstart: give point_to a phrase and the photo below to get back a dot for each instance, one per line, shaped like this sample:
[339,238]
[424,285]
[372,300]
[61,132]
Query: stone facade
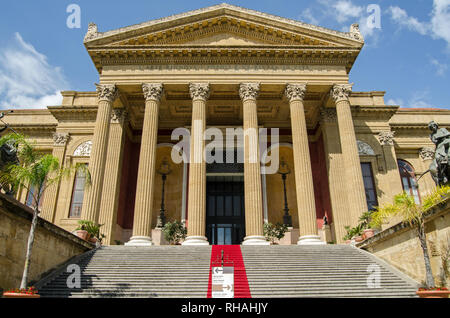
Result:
[206,69]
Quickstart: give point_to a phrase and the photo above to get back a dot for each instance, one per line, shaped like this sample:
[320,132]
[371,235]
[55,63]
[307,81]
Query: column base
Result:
[255,240]
[139,241]
[195,240]
[310,240]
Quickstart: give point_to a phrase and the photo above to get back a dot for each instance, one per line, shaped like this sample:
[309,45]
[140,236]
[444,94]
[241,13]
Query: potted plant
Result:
[354,233]
[29,292]
[82,233]
[92,231]
[414,214]
[174,232]
[365,220]
[273,232]
[33,170]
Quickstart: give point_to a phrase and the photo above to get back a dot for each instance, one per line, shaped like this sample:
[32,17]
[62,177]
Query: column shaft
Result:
[146,172]
[91,205]
[197,168]
[111,185]
[51,194]
[355,185]
[252,169]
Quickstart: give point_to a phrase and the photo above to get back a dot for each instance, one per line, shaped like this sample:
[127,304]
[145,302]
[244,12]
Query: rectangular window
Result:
[77,194]
[369,186]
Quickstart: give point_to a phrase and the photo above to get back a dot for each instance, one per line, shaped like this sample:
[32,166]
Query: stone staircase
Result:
[119,271]
[320,271]
[183,272]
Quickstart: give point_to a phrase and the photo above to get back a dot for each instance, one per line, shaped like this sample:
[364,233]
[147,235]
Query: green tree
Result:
[414,214]
[35,171]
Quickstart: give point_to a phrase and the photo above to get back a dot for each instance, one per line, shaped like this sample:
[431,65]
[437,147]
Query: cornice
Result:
[74,113]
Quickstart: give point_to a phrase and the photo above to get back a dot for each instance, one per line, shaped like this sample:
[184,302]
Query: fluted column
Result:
[146,172]
[51,194]
[197,167]
[111,184]
[353,173]
[107,93]
[302,167]
[252,169]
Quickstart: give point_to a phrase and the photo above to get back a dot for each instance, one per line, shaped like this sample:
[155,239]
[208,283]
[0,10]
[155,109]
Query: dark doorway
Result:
[225,217]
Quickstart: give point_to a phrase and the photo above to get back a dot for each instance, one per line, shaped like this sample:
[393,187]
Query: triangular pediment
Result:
[223,25]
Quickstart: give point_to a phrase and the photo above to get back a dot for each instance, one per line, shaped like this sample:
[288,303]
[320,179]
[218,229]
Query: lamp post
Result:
[164,170]
[284,170]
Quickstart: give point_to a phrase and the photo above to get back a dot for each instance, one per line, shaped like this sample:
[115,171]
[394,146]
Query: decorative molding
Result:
[60,139]
[364,149]
[108,92]
[341,92]
[199,91]
[328,115]
[249,91]
[386,138]
[356,33]
[153,91]
[295,91]
[83,150]
[427,153]
[140,29]
[92,32]
[118,115]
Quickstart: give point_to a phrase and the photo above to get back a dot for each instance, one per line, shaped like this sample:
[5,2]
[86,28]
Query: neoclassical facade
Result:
[213,69]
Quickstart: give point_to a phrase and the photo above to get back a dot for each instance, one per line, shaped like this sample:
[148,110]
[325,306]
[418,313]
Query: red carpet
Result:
[232,257]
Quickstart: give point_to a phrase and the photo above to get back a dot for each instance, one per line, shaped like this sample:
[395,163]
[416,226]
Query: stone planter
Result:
[82,234]
[433,293]
[93,240]
[20,295]
[359,239]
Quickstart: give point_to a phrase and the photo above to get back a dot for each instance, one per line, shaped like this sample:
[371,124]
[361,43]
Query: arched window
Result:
[409,181]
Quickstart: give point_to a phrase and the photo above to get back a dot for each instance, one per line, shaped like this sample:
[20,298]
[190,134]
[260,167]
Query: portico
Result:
[169,87]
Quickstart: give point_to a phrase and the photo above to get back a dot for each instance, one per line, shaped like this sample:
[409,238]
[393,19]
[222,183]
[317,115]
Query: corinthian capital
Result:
[341,92]
[199,91]
[386,138]
[60,139]
[295,92]
[108,92]
[249,91]
[426,153]
[118,115]
[152,91]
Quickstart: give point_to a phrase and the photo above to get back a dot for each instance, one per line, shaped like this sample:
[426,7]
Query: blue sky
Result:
[408,56]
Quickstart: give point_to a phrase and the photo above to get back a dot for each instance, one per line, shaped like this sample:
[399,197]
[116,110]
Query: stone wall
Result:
[399,246]
[52,247]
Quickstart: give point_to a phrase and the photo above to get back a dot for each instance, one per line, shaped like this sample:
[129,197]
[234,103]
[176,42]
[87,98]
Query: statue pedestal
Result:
[325,234]
[290,238]
[158,237]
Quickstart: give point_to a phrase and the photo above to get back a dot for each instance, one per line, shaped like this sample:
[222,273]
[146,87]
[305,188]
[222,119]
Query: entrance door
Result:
[225,217]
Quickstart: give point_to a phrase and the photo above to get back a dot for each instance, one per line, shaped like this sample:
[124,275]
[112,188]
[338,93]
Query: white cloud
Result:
[395,102]
[438,27]
[441,68]
[27,80]
[419,99]
[440,20]
[345,10]
[308,17]
[402,18]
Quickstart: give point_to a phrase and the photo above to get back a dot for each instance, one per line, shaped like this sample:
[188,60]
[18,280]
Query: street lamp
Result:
[284,170]
[164,170]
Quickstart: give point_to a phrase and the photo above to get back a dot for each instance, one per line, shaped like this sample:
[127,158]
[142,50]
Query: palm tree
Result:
[35,172]
[413,214]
